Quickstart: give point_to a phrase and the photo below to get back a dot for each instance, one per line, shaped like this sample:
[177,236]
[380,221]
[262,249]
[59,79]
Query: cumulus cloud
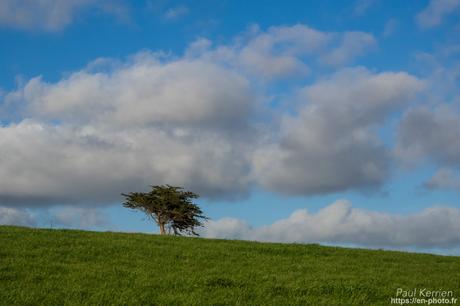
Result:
[79,217]
[51,15]
[441,69]
[16,216]
[276,52]
[340,223]
[197,121]
[331,144]
[444,178]
[142,123]
[145,92]
[286,51]
[74,217]
[436,10]
[430,134]
[353,44]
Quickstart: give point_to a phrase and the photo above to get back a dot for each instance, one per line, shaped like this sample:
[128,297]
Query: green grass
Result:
[67,267]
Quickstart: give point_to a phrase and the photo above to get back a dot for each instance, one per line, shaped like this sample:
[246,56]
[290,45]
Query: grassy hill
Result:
[68,267]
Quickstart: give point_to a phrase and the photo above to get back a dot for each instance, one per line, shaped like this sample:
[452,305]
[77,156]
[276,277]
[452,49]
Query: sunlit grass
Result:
[67,267]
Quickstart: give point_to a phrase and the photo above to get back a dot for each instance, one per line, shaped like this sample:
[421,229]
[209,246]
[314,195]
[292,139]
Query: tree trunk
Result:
[162,229]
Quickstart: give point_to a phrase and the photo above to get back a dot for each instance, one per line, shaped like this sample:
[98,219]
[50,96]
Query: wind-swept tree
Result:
[170,207]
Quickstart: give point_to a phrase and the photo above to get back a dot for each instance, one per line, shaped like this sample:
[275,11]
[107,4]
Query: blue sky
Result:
[300,121]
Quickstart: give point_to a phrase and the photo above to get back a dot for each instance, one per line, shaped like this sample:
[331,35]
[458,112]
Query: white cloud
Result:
[352,45]
[362,6]
[79,217]
[15,216]
[51,15]
[331,145]
[276,52]
[144,122]
[144,92]
[430,134]
[74,217]
[226,228]
[286,51]
[441,69]
[195,121]
[435,12]
[390,27]
[444,178]
[176,12]
[340,223]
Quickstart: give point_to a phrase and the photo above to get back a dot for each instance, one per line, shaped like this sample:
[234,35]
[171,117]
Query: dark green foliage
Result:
[64,267]
[170,207]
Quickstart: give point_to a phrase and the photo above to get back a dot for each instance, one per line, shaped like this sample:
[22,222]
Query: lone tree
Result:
[170,207]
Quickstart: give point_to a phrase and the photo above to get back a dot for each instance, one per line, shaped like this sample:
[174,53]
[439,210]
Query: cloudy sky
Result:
[333,122]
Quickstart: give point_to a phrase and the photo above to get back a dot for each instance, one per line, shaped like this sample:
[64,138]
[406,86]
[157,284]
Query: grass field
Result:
[68,267]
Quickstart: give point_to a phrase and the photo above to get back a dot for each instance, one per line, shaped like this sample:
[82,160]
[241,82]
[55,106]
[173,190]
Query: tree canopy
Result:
[171,207]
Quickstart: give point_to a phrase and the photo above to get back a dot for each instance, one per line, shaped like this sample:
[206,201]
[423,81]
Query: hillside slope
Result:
[68,267]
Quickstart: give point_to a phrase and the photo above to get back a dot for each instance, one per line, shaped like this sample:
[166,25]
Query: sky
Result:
[332,122]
